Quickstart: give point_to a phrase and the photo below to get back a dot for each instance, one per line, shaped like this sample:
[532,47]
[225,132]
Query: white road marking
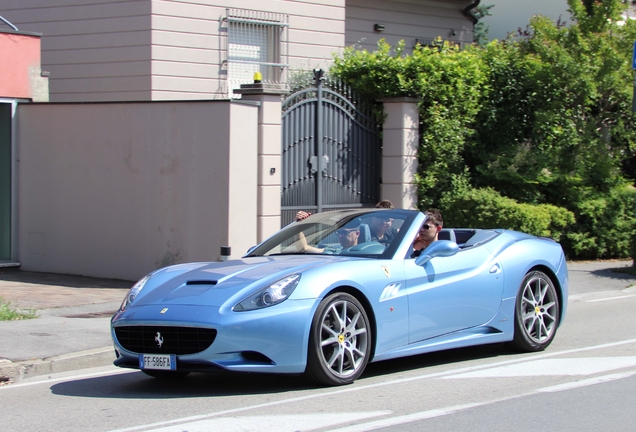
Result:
[423,415]
[355,388]
[54,379]
[409,418]
[608,298]
[278,423]
[551,367]
[587,382]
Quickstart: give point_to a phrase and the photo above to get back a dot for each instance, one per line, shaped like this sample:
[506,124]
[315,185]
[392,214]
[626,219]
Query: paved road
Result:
[585,381]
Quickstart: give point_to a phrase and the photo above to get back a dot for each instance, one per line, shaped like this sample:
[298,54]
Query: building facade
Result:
[146,50]
[145,156]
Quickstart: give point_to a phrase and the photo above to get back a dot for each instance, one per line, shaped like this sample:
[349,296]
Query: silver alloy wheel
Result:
[343,338]
[539,309]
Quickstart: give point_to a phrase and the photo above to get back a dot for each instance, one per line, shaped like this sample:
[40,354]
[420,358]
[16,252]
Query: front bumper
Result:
[266,340]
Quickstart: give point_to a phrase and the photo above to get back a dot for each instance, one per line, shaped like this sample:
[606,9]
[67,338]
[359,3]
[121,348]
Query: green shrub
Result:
[605,225]
[633,250]
[486,208]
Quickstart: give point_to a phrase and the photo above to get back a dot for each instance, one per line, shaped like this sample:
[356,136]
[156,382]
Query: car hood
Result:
[215,283]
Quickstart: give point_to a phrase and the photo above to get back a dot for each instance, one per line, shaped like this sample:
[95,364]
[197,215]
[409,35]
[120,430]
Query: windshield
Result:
[367,233]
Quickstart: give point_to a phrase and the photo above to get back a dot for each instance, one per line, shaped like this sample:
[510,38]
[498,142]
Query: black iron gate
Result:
[331,150]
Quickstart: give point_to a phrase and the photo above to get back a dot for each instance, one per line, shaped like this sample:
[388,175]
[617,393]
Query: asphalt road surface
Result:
[585,381]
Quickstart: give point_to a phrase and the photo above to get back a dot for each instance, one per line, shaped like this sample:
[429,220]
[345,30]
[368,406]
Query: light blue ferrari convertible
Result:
[327,295]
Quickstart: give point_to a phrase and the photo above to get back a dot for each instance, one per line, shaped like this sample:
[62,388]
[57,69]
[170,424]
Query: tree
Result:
[480,30]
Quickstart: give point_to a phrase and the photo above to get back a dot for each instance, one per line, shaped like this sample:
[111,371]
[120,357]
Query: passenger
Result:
[380,227]
[429,231]
[385,204]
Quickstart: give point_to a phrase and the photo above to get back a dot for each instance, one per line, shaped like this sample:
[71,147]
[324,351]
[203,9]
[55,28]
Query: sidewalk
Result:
[72,329]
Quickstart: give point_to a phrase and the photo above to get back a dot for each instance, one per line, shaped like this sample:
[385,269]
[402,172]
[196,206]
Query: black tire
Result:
[537,312]
[165,374]
[339,341]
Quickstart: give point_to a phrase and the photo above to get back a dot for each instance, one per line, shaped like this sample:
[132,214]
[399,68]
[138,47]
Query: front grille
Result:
[175,340]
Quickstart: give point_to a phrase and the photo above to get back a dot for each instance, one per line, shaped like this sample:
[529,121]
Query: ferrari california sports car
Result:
[329,294]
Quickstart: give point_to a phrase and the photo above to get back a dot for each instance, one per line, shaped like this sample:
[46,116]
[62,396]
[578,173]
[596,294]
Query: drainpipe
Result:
[9,24]
[468,11]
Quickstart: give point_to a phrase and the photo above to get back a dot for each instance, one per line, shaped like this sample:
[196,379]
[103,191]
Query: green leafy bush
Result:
[533,133]
[486,208]
[633,249]
[605,225]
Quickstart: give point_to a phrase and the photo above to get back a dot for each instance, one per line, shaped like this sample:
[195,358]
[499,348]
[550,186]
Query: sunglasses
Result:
[426,227]
[346,231]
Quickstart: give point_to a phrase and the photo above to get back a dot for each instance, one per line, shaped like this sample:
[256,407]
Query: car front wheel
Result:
[536,313]
[339,342]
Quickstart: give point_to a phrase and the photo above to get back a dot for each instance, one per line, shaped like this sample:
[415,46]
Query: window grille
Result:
[427,42]
[256,42]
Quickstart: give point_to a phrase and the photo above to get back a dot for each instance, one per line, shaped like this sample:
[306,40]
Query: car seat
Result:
[365,234]
[447,234]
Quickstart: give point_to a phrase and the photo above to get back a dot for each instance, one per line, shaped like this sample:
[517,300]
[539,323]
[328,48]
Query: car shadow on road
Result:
[137,385]
[452,356]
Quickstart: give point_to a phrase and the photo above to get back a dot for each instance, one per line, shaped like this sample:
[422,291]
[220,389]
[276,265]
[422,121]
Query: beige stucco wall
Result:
[119,189]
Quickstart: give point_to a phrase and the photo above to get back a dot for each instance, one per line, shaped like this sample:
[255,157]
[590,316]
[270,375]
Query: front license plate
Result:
[158,361]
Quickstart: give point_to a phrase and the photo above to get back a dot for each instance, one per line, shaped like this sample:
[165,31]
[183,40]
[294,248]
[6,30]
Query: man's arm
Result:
[304,246]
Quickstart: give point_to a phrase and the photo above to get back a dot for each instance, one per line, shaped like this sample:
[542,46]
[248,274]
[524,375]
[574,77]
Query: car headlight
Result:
[270,295]
[134,292]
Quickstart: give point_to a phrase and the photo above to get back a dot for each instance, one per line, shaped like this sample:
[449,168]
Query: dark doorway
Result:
[5,181]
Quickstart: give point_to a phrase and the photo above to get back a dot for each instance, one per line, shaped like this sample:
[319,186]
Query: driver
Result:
[347,237]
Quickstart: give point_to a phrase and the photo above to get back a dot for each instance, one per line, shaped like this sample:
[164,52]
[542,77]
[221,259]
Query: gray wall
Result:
[406,20]
[94,49]
[119,189]
[116,50]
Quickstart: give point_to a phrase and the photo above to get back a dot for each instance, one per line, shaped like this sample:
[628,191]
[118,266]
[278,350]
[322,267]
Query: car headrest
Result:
[365,234]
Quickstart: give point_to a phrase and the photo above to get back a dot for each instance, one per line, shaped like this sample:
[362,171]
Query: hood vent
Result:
[201,282]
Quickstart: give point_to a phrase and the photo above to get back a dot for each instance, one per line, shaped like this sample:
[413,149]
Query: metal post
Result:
[318,76]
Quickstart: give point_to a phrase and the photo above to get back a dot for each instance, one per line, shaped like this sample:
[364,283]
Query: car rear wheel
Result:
[339,342]
[536,313]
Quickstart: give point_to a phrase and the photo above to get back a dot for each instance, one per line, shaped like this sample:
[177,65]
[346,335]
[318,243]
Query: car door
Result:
[448,294]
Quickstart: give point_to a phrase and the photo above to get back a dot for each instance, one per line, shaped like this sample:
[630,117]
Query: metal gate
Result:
[331,150]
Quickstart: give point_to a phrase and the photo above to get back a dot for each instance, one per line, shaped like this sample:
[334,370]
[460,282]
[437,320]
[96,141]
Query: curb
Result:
[14,372]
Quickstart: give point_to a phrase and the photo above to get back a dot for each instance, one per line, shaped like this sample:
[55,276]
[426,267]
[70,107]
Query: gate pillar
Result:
[400,143]
[269,97]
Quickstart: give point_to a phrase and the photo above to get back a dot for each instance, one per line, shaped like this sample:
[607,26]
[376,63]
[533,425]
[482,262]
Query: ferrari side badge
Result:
[386,271]
[164,310]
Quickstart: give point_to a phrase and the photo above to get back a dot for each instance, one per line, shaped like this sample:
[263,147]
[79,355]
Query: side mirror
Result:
[440,248]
